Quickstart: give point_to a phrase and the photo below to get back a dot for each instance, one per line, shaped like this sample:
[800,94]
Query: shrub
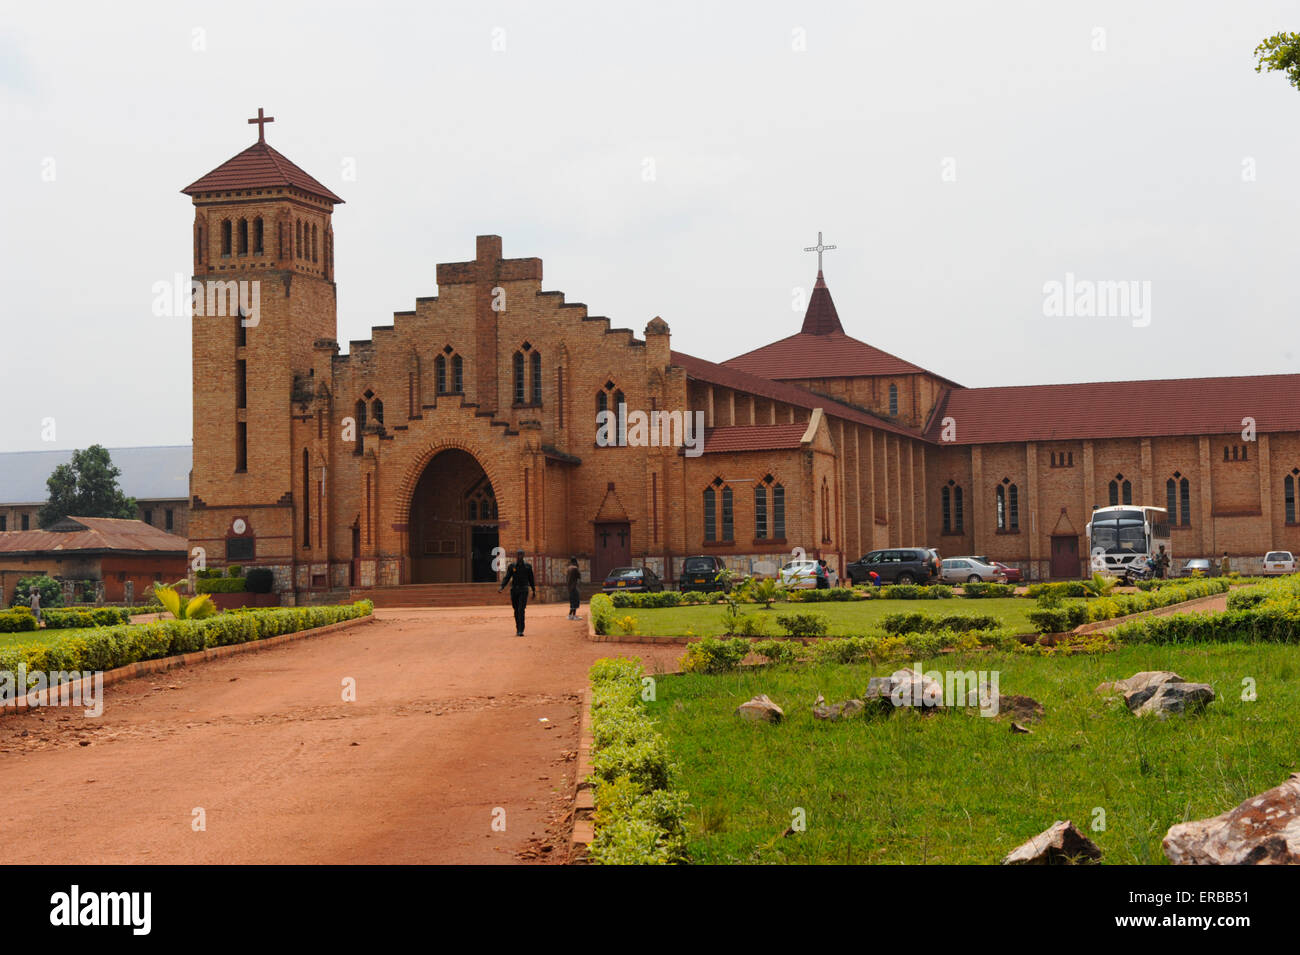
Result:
[846,650]
[1246,598]
[1063,588]
[259,580]
[109,647]
[915,592]
[221,585]
[752,625]
[639,818]
[14,621]
[829,595]
[779,651]
[234,570]
[988,590]
[602,613]
[665,598]
[804,624]
[1058,619]
[714,655]
[51,591]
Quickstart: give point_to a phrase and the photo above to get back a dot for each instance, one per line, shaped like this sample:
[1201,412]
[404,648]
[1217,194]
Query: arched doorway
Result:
[453,526]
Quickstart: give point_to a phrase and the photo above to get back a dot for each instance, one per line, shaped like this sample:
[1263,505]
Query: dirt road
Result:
[446,734]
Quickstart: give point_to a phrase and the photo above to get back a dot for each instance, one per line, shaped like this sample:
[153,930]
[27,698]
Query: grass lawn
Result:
[847,619]
[954,787]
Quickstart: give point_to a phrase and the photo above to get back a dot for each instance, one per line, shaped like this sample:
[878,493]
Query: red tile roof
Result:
[1119,409]
[822,350]
[94,534]
[727,377]
[821,317]
[763,437]
[258,167]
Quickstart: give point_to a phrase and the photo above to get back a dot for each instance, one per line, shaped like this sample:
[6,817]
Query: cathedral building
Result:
[497,414]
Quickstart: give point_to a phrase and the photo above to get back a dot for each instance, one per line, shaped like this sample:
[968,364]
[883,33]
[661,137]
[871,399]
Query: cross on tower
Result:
[261,120]
[818,248]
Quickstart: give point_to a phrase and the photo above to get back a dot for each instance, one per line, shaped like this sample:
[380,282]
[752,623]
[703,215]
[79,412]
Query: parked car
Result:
[1012,574]
[636,580]
[802,574]
[1277,562]
[969,570]
[897,565]
[1198,565]
[703,573]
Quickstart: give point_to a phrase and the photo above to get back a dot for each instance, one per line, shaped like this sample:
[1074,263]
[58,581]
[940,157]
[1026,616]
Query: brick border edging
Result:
[584,799]
[162,664]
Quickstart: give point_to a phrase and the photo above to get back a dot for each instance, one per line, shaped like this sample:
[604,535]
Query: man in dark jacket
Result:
[572,577]
[520,578]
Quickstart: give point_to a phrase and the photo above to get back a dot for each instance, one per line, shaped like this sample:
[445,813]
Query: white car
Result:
[1279,562]
[968,570]
[802,574]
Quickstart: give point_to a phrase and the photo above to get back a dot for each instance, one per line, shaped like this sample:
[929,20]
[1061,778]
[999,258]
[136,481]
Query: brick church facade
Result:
[471,422]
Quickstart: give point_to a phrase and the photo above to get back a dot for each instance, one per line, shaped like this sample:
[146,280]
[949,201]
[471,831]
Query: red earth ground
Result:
[455,719]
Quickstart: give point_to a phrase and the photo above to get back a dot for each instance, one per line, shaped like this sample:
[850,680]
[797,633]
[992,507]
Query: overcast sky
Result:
[667,159]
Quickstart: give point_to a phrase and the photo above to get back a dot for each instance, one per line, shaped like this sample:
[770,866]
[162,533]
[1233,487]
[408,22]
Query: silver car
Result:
[969,570]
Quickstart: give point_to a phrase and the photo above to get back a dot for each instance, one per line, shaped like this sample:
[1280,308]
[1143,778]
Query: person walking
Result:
[1225,565]
[572,577]
[823,577]
[520,578]
[35,604]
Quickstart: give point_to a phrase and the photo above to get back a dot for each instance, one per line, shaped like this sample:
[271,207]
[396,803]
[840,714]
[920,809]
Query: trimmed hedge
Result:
[916,592]
[602,613]
[640,818]
[17,620]
[1060,619]
[91,617]
[110,647]
[1063,588]
[985,589]
[221,585]
[1272,622]
[914,621]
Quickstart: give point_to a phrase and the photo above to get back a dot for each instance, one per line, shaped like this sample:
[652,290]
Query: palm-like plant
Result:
[766,592]
[182,607]
[1100,585]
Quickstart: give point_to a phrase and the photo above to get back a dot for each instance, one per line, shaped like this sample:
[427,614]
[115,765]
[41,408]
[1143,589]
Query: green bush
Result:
[234,570]
[51,592]
[1063,588]
[804,624]
[714,655]
[18,620]
[108,647]
[915,592]
[665,598]
[1058,619]
[812,595]
[1247,597]
[639,818]
[91,617]
[222,585]
[1274,622]
[779,651]
[602,613]
[988,590]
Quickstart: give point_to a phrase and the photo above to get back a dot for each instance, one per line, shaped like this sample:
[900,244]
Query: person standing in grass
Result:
[572,577]
[520,579]
[35,604]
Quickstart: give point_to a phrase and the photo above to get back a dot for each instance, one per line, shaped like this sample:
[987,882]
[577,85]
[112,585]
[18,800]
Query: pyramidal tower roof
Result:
[259,167]
[821,317]
[821,349]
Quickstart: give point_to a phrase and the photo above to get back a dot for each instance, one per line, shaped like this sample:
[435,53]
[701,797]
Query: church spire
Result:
[821,317]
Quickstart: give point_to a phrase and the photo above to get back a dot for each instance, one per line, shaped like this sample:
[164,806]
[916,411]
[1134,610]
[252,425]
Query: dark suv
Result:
[703,574]
[897,565]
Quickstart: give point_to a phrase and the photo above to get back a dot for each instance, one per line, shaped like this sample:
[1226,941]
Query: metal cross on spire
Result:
[819,248]
[261,120]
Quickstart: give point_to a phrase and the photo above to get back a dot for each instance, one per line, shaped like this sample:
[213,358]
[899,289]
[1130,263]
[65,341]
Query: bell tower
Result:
[263,293]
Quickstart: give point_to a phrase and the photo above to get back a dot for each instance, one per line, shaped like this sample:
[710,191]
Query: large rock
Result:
[1025,709]
[1263,830]
[760,709]
[1062,844]
[1169,698]
[1140,681]
[913,688]
[837,711]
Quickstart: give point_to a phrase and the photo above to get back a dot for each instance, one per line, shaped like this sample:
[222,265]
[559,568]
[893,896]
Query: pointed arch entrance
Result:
[454,521]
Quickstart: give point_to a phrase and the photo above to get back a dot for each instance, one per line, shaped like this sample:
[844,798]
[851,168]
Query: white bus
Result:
[1123,539]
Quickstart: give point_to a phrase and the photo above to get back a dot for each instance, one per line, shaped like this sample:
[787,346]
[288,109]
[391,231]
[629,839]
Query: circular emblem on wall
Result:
[239,526]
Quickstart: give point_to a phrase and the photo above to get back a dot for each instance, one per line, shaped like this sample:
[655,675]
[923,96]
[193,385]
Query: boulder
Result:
[1169,698]
[1138,681]
[760,709]
[913,688]
[1263,830]
[1025,709]
[837,711]
[1062,844]
[1017,728]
